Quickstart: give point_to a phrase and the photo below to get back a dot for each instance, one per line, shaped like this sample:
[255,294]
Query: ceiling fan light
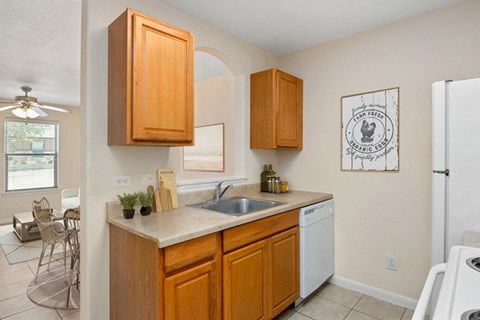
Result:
[19,112]
[28,107]
[31,113]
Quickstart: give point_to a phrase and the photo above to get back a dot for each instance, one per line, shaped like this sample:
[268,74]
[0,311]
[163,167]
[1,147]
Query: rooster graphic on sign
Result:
[367,131]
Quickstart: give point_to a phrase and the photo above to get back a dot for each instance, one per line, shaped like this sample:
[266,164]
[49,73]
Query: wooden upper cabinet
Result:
[276,110]
[150,82]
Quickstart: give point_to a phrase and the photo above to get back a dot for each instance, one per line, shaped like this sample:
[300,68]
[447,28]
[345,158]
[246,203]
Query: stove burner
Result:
[474,263]
[471,315]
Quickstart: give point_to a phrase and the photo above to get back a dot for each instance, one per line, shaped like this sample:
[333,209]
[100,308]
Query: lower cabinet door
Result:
[245,282]
[192,294]
[283,270]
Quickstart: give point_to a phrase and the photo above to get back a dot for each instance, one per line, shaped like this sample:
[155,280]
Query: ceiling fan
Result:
[28,107]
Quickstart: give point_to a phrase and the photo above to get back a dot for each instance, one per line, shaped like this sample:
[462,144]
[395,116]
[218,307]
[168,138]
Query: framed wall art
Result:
[207,153]
[370,131]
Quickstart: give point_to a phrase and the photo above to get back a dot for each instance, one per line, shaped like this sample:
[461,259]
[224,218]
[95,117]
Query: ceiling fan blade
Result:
[54,108]
[40,112]
[8,107]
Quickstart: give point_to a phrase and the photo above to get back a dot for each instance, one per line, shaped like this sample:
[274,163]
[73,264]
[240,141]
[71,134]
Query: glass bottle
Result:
[277,185]
[263,179]
[269,184]
[271,175]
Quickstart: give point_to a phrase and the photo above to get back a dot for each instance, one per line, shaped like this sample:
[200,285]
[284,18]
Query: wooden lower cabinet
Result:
[261,267]
[245,277]
[181,282]
[191,294]
[134,276]
[283,270]
[249,272]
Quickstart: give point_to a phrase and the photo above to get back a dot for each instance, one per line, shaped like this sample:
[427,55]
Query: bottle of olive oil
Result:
[263,179]
[270,169]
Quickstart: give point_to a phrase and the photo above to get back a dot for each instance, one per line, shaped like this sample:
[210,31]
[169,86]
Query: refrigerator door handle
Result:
[445,172]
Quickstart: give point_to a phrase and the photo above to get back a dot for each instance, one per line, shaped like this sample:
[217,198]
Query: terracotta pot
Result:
[128,213]
[145,211]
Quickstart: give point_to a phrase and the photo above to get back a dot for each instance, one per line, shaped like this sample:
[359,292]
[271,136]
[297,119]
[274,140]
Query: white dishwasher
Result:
[316,246]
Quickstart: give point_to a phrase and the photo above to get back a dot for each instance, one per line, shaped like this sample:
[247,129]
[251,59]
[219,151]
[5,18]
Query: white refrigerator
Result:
[456,164]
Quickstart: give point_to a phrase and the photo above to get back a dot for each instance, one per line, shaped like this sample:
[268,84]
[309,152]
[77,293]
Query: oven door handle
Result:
[422,304]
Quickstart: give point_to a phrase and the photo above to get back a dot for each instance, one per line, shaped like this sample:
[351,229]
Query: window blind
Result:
[31,154]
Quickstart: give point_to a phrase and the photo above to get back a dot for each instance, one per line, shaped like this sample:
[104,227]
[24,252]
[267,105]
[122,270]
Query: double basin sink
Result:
[237,206]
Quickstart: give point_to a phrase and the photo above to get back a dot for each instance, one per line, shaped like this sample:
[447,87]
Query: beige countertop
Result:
[185,223]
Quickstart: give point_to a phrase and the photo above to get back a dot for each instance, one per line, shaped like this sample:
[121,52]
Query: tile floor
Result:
[329,303]
[14,280]
[336,303]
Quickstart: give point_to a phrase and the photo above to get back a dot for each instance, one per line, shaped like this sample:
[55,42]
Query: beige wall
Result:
[69,166]
[381,213]
[100,162]
[215,103]
[377,213]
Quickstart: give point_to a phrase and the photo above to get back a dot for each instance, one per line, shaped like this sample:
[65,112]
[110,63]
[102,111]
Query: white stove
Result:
[459,297]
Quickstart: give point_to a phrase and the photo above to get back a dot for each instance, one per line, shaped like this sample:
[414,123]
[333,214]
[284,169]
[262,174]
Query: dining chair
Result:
[52,233]
[41,209]
[70,198]
[72,228]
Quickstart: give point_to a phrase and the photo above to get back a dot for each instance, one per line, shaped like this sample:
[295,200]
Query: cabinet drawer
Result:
[242,235]
[190,252]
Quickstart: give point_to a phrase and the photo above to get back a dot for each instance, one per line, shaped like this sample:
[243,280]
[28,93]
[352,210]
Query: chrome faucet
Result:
[218,191]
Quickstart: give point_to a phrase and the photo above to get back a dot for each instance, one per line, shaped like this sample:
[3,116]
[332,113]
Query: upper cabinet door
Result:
[289,110]
[150,83]
[163,75]
[276,110]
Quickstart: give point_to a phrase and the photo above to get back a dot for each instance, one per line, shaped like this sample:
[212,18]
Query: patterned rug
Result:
[17,251]
[51,289]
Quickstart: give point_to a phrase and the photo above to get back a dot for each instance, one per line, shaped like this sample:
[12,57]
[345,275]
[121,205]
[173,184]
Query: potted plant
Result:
[145,199]
[128,202]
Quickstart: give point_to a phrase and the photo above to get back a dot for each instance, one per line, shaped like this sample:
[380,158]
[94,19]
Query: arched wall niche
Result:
[219,98]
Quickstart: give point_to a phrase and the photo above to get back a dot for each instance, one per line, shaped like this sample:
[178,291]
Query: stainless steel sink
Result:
[237,206]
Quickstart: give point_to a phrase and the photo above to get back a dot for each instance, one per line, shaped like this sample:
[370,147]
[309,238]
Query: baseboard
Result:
[5,221]
[374,292]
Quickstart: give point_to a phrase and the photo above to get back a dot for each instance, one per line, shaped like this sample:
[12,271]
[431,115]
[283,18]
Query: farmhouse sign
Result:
[370,131]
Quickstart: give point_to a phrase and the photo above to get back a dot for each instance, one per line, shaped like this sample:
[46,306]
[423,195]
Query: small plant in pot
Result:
[145,199]
[128,202]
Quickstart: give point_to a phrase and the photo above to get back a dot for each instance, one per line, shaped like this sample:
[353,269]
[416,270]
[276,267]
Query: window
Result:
[31,154]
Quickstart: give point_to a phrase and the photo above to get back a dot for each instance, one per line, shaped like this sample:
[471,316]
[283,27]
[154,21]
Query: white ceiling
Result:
[286,26]
[40,47]
[40,39]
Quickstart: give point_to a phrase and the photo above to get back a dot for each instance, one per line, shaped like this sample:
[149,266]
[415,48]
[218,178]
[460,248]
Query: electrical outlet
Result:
[149,179]
[121,181]
[391,262]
